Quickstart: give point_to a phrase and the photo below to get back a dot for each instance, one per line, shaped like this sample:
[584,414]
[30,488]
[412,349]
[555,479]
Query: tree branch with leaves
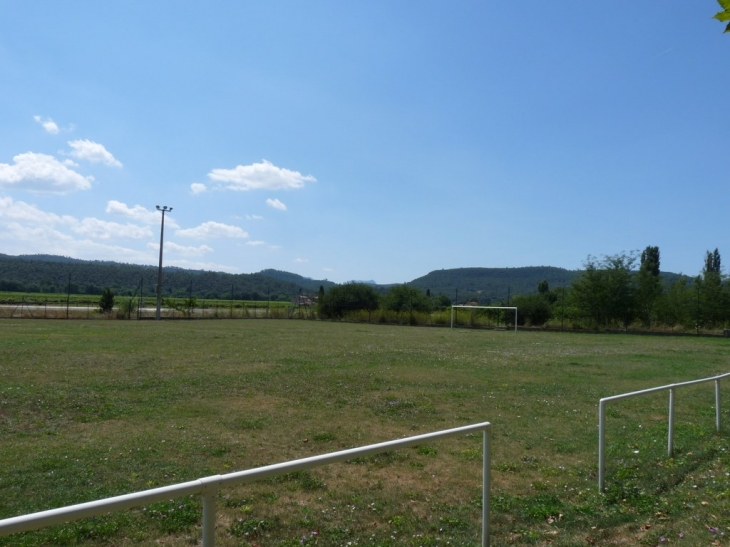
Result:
[723,15]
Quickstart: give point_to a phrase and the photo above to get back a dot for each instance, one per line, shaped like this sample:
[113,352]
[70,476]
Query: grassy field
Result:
[90,409]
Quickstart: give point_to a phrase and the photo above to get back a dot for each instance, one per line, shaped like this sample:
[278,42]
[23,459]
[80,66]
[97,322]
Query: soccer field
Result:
[94,409]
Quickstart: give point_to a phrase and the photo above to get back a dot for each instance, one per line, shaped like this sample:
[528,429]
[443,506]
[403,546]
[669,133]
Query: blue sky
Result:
[373,140]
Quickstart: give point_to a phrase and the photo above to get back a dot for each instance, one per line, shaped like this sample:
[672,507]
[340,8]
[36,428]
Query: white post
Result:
[210,489]
[601,445]
[452,317]
[717,405]
[209,518]
[670,439]
[486,480]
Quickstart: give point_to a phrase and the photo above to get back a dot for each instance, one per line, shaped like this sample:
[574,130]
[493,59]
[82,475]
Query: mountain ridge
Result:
[54,273]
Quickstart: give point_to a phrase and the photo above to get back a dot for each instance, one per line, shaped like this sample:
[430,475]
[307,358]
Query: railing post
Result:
[209,517]
[486,486]
[670,436]
[601,444]
[717,406]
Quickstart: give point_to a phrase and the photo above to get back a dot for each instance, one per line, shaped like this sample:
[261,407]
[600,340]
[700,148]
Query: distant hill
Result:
[311,285]
[44,258]
[492,284]
[48,273]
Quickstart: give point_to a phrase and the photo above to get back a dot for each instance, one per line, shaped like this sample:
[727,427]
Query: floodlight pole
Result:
[163,209]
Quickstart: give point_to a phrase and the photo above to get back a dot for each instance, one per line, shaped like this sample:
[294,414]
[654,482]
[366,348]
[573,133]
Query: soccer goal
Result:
[454,307]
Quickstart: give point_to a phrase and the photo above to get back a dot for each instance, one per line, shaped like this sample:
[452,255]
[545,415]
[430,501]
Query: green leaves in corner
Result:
[724,15]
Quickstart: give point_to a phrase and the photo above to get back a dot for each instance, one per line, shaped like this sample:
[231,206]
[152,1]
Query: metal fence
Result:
[457,307]
[670,435]
[208,487]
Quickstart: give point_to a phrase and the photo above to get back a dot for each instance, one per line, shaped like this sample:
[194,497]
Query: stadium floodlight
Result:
[163,209]
[484,308]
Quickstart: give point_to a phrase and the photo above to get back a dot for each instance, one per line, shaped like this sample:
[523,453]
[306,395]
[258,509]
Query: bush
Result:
[127,308]
[349,297]
[533,309]
[106,301]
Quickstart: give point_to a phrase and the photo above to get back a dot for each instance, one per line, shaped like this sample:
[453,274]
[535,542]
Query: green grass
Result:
[90,409]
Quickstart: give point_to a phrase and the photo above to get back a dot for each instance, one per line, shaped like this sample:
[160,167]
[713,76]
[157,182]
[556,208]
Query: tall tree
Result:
[712,262]
[650,260]
[713,298]
[543,289]
[649,286]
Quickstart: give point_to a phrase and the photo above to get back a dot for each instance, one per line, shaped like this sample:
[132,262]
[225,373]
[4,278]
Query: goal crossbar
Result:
[455,306]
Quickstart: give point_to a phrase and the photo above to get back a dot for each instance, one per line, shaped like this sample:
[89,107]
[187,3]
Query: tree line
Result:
[618,291]
[622,291]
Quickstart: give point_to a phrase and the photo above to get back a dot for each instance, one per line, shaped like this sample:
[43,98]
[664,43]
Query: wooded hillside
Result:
[49,274]
[492,284]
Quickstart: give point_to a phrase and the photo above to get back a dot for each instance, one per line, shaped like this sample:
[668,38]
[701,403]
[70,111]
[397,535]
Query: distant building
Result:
[304,300]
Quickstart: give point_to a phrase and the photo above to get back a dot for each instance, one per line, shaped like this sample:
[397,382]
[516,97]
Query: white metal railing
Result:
[208,486]
[670,434]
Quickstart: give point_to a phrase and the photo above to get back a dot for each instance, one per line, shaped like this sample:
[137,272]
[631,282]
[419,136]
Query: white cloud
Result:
[19,211]
[23,213]
[212,229]
[48,124]
[255,243]
[139,213]
[182,249]
[84,149]
[254,217]
[276,204]
[42,173]
[301,260]
[24,228]
[198,188]
[101,229]
[259,176]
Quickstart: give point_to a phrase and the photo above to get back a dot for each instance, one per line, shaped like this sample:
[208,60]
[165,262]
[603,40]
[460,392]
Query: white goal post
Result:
[453,307]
